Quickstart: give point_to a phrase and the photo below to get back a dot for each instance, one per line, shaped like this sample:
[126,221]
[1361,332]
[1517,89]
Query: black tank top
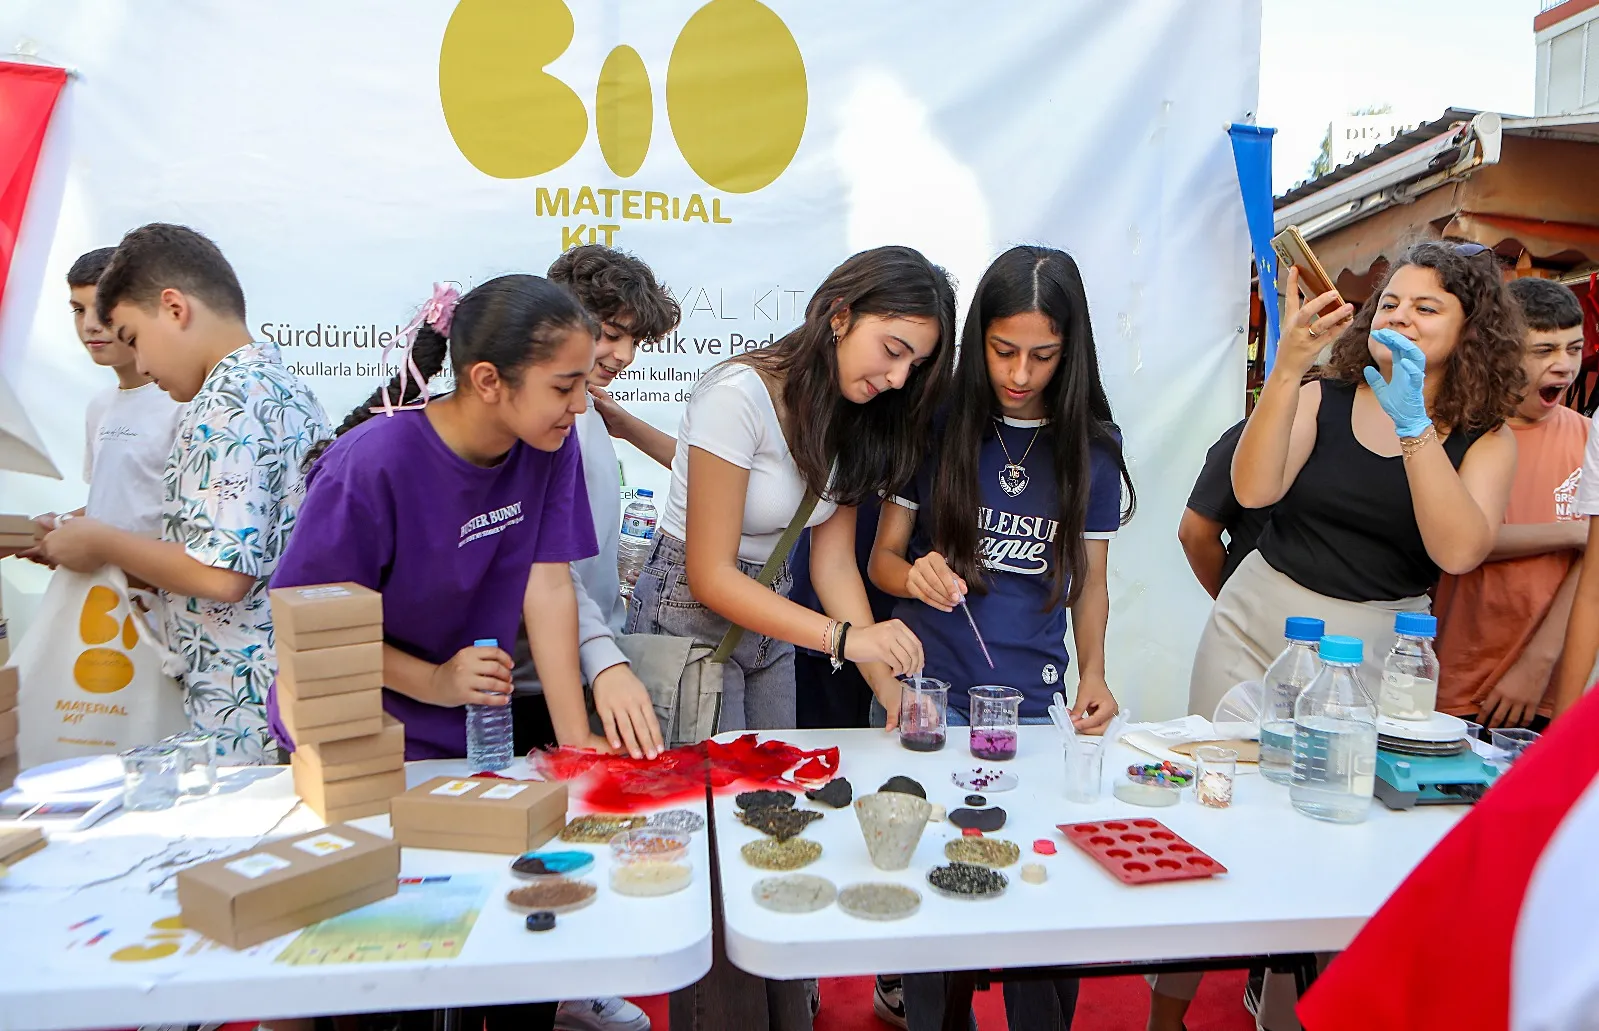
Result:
[1347,528]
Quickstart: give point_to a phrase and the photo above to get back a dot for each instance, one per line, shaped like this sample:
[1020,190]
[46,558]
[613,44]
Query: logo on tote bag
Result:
[735,91]
[102,670]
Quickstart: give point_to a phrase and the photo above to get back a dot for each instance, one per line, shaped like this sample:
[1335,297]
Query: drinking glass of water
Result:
[149,777]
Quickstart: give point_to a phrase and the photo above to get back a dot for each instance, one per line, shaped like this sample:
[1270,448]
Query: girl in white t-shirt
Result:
[762,430]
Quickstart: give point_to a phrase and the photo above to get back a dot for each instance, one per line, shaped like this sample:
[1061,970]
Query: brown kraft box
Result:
[286,885]
[354,667]
[318,640]
[325,796]
[8,725]
[387,743]
[9,682]
[334,718]
[479,814]
[318,608]
[17,843]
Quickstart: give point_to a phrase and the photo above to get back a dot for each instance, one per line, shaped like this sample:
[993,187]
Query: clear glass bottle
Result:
[1335,738]
[1410,673]
[489,745]
[1285,678]
[638,534]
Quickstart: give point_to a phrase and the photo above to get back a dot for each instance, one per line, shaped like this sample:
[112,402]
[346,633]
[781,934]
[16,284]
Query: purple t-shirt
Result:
[382,509]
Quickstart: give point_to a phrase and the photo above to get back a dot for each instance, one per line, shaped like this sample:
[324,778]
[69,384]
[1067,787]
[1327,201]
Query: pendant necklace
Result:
[1013,477]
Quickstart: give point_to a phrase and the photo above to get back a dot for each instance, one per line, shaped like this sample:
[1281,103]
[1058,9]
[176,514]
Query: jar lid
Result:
[1416,624]
[1303,628]
[1337,648]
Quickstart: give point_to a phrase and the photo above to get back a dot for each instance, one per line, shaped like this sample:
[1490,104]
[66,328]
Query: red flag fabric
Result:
[28,95]
[1442,952]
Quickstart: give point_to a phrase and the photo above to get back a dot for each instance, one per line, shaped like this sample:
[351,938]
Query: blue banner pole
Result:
[1252,155]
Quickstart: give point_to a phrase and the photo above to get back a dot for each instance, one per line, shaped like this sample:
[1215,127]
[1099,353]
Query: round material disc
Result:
[879,901]
[1439,728]
[986,820]
[796,893]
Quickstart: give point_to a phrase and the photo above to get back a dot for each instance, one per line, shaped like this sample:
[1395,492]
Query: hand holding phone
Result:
[1294,253]
[1308,327]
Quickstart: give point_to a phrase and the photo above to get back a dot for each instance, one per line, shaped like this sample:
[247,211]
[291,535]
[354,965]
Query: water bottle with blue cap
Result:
[489,742]
[1285,678]
[1410,673]
[1335,738]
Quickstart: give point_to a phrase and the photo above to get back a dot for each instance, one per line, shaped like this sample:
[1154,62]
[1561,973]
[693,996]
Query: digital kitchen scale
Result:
[1428,762]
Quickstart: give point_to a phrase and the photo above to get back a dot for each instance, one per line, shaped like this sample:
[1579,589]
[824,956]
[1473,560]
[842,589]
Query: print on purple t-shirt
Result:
[448,544]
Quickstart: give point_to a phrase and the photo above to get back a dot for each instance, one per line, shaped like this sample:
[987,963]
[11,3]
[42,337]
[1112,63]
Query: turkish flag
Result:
[1496,928]
[28,95]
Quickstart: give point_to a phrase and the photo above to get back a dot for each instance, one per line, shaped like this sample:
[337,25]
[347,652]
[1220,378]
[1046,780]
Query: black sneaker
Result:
[888,1001]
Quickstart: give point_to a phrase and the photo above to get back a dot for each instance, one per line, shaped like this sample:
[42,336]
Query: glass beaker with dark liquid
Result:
[923,713]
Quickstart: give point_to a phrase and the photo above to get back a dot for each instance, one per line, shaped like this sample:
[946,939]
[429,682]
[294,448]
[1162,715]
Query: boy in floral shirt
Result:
[232,486]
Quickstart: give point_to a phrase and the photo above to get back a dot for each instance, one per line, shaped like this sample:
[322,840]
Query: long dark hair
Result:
[886,436]
[1047,281]
[510,322]
[1482,385]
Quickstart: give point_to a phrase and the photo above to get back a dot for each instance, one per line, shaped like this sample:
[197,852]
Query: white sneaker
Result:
[611,1014]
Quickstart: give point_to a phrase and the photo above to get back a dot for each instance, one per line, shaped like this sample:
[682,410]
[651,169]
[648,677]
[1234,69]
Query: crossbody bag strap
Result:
[768,573]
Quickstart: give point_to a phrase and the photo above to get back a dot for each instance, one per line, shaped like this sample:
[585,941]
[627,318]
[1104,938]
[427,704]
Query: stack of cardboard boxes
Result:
[16,534]
[349,757]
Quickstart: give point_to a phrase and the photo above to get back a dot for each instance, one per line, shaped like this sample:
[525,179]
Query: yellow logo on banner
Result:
[736,98]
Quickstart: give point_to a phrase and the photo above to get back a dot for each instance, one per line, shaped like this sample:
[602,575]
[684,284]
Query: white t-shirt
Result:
[1588,487]
[130,435]
[731,416]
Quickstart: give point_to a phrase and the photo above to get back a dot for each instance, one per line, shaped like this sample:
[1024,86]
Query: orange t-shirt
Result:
[1487,616]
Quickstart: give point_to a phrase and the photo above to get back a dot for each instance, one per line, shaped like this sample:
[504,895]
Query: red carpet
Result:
[1106,1004]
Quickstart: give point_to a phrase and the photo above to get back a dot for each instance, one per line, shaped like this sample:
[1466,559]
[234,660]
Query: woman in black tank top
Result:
[1393,467]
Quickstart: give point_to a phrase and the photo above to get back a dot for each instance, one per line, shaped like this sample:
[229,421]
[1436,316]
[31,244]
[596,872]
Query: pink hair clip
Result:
[438,312]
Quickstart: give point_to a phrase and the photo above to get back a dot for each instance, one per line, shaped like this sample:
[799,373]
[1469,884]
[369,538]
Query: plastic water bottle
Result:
[1335,738]
[489,745]
[1410,673]
[638,533]
[1285,679]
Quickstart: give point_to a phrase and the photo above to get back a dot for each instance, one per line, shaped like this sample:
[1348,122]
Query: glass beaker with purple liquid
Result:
[996,711]
[923,713]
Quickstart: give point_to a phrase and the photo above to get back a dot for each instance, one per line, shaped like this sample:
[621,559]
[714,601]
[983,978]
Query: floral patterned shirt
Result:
[232,489]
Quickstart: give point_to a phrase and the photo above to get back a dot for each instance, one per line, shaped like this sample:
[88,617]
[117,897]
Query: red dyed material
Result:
[619,784]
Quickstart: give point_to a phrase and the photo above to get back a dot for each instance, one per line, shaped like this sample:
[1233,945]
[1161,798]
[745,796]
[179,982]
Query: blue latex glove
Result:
[1401,397]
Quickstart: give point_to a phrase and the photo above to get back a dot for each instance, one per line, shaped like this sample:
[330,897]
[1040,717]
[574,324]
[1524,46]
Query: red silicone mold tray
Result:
[1141,851]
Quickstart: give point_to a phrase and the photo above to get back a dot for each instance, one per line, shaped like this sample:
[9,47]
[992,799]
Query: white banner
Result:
[345,156]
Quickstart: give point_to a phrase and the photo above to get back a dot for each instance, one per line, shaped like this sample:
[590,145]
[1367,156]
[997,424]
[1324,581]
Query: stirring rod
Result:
[975,633]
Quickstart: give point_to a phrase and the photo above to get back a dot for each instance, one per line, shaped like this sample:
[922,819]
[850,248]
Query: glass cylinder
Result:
[996,712]
[1085,768]
[197,762]
[923,713]
[149,777]
[1218,768]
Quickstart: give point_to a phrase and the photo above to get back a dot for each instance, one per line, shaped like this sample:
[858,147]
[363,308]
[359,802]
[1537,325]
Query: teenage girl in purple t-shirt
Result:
[464,512]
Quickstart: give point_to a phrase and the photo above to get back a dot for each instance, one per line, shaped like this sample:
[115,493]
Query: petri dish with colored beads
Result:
[649,845]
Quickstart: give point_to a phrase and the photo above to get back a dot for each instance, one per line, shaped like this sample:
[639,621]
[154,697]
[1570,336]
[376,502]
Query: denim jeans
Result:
[757,694]
[758,680]
[1030,1005]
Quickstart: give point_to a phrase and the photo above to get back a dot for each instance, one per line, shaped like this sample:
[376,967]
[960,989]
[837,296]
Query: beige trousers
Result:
[1245,631]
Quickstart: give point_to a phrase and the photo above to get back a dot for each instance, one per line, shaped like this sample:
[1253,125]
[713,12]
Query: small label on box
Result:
[324,844]
[258,865]
[315,593]
[454,788]
[499,791]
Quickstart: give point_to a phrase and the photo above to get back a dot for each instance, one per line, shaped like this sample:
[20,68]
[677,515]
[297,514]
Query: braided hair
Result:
[510,322]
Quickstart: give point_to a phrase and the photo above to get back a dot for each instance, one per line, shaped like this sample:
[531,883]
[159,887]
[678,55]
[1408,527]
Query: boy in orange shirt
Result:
[1502,626]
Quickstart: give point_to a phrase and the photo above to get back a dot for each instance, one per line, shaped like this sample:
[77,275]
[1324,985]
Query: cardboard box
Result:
[479,815]
[8,724]
[321,607]
[17,843]
[319,639]
[8,769]
[387,743]
[16,526]
[356,810]
[324,796]
[10,681]
[352,660]
[313,720]
[280,887]
[315,764]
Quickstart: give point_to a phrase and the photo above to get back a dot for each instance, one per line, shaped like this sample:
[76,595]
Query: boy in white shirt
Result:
[130,427]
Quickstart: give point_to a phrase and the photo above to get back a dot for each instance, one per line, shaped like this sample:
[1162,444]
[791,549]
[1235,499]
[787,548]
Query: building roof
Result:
[1398,145]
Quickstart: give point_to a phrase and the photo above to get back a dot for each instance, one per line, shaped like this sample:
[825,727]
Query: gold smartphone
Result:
[1292,250]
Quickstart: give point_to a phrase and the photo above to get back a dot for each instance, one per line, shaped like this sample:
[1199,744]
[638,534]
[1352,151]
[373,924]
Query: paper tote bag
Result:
[95,672]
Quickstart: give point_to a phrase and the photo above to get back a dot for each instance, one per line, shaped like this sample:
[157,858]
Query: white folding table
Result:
[51,978]
[1294,885]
